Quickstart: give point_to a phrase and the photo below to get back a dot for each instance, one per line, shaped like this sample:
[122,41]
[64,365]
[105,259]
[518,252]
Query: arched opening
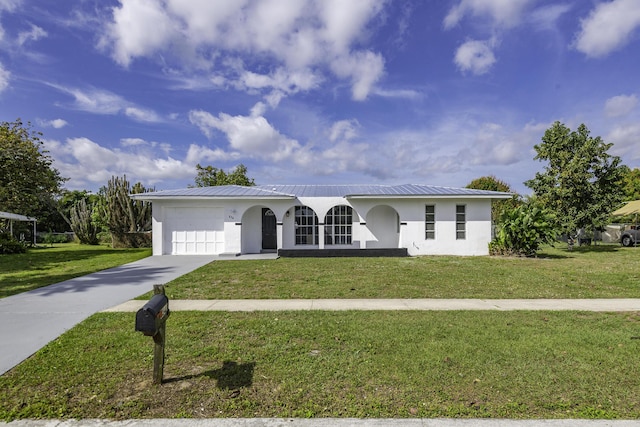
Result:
[338,226]
[259,230]
[306,226]
[383,223]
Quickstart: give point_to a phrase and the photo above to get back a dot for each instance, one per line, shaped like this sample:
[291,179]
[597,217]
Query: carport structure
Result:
[11,217]
[630,208]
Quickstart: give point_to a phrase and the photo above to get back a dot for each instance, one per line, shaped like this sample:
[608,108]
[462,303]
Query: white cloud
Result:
[364,69]
[139,28]
[300,36]
[344,130]
[504,13]
[5,78]
[9,4]
[475,56]
[34,34]
[89,164]
[130,142]
[546,17]
[625,139]
[620,105]
[198,154]
[608,27]
[397,93]
[56,123]
[142,115]
[280,83]
[100,101]
[251,135]
[95,100]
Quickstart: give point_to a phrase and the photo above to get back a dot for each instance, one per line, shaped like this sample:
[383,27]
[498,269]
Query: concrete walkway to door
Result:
[30,320]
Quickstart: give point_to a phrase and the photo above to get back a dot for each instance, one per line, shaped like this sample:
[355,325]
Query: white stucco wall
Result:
[243,223]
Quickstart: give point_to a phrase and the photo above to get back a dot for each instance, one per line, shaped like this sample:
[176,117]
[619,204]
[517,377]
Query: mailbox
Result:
[152,315]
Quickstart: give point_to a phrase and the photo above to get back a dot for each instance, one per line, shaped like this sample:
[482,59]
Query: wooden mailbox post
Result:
[151,320]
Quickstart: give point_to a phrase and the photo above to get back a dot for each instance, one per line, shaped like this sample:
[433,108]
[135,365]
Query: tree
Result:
[68,201]
[125,218]
[209,176]
[631,184]
[82,223]
[28,181]
[582,182]
[491,183]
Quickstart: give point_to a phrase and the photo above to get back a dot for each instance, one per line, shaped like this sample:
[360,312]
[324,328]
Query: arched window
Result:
[306,226]
[338,225]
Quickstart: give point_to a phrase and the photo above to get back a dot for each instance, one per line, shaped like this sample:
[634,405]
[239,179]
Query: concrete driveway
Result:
[30,320]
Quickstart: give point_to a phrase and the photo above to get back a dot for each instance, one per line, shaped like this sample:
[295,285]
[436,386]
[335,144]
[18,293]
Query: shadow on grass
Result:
[231,376]
[597,248]
[44,258]
[584,249]
[45,266]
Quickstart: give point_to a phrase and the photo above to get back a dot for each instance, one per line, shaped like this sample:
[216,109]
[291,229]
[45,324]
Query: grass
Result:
[346,364]
[603,271]
[47,265]
[356,364]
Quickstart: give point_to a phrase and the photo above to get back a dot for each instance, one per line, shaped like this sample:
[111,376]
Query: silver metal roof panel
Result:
[292,191]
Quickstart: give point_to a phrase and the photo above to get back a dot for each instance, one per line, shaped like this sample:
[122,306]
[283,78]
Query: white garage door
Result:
[194,231]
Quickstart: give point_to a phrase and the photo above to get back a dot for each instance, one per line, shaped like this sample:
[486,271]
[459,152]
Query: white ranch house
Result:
[321,220]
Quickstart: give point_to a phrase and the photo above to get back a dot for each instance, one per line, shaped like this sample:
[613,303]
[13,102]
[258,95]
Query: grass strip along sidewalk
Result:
[523,364]
[603,271]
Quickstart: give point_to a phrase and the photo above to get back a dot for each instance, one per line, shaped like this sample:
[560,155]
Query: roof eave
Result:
[200,197]
[428,196]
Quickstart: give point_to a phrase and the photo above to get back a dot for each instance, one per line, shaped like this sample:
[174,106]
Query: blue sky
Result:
[317,92]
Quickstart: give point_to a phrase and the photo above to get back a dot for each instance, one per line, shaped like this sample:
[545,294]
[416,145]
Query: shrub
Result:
[522,230]
[9,245]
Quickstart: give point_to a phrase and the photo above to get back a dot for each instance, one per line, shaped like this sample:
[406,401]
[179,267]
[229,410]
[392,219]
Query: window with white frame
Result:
[306,226]
[338,225]
[430,222]
[461,222]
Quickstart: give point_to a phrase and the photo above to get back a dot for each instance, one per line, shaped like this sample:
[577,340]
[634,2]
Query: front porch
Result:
[326,253]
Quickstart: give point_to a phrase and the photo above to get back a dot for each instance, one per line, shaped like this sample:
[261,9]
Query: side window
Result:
[461,222]
[430,222]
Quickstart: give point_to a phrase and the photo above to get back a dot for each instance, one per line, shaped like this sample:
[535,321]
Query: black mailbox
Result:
[152,315]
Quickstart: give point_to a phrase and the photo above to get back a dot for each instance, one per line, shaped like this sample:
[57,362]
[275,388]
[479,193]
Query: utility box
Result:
[152,315]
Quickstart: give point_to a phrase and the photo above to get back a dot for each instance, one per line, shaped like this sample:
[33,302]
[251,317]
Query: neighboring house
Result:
[417,219]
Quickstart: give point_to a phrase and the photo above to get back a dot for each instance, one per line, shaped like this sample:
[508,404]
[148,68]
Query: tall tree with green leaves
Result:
[631,184]
[208,176]
[491,183]
[28,181]
[581,183]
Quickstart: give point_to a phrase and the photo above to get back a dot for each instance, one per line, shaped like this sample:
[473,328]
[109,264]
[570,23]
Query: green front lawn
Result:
[338,364]
[47,265]
[357,364]
[603,271]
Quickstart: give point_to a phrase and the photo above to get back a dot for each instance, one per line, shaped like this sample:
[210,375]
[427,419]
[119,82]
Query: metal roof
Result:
[15,217]
[293,191]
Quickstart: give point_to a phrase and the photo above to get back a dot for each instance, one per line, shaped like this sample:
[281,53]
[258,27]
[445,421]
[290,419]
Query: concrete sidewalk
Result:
[30,320]
[616,304]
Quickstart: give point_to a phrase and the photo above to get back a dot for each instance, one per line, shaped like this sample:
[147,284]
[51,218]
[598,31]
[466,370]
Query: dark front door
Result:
[269,235]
